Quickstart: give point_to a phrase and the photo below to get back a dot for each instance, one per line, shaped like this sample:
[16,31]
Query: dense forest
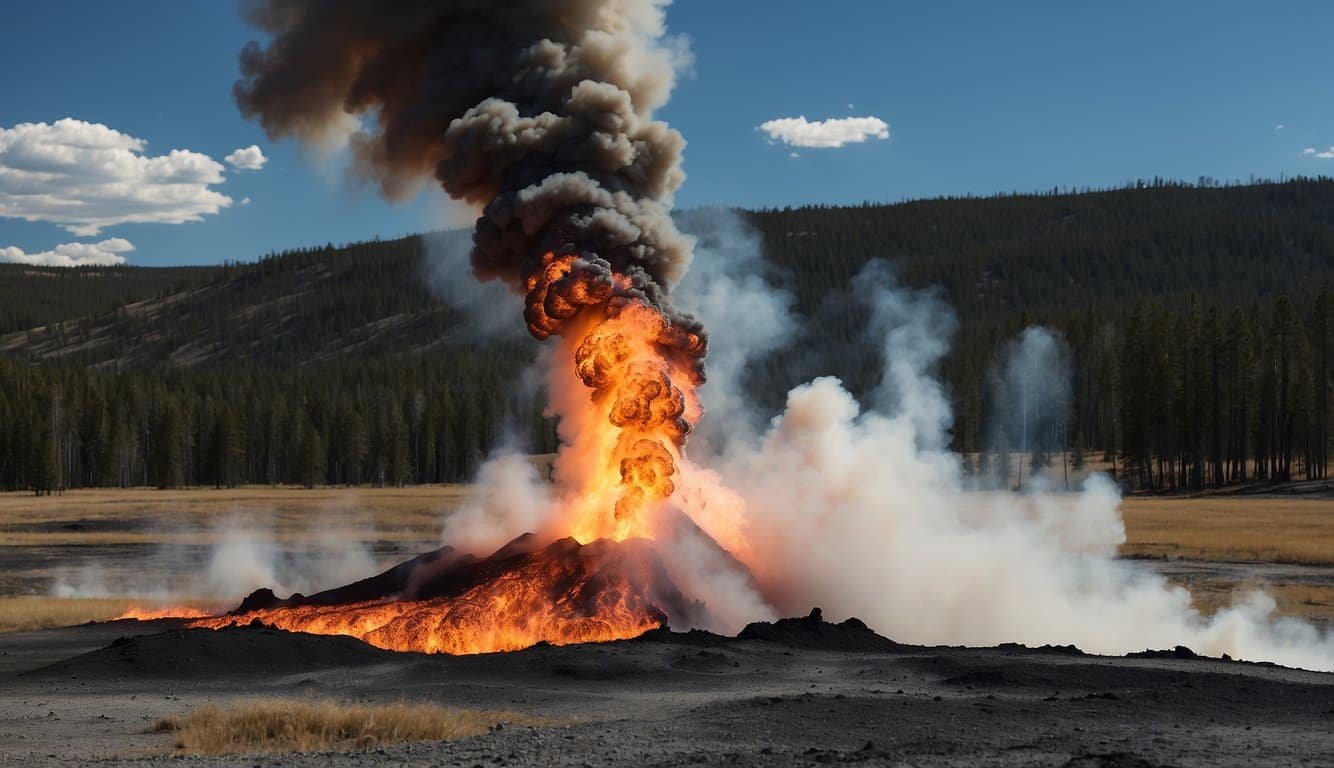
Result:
[1197,319]
[38,296]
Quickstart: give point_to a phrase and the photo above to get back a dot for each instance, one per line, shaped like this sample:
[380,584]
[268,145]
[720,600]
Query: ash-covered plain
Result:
[793,692]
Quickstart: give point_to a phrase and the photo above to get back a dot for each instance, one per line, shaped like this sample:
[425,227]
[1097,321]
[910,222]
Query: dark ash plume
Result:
[537,111]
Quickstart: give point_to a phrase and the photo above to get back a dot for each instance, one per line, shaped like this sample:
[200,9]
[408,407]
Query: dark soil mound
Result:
[205,653]
[1179,652]
[816,633]
[696,637]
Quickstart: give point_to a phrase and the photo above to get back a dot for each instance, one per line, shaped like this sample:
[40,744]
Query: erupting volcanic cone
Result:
[443,601]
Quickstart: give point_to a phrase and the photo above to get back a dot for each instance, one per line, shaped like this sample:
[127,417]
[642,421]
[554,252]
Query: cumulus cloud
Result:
[249,158]
[105,253]
[825,134]
[1280,127]
[86,176]
[1313,152]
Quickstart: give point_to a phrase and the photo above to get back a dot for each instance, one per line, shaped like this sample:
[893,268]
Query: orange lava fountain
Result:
[626,438]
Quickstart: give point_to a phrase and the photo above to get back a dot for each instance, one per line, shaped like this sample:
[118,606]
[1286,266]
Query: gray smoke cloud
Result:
[488,309]
[539,113]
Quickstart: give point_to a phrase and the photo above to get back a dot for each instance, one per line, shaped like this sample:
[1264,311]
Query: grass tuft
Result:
[288,725]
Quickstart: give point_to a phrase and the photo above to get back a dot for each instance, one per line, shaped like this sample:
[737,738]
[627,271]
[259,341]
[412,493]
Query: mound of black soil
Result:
[1180,652]
[815,633]
[204,653]
[696,637]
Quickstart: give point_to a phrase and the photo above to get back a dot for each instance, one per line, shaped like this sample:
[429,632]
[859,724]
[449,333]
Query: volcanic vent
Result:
[539,115]
[446,601]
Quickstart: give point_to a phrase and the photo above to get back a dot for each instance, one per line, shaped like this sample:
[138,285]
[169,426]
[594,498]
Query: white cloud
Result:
[86,176]
[1280,127]
[1313,152]
[249,158]
[835,132]
[245,201]
[794,154]
[105,253]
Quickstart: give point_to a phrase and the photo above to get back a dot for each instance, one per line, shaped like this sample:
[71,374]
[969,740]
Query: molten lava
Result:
[151,613]
[445,603]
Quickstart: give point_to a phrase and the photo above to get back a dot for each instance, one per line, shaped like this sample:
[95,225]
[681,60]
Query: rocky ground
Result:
[800,692]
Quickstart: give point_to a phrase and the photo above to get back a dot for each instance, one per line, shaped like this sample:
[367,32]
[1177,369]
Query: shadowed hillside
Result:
[1159,289]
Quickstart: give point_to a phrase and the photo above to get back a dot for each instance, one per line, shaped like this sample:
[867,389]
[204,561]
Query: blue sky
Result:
[978,97]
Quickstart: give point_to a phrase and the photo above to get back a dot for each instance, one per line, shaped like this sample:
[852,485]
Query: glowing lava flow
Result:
[562,593]
[147,613]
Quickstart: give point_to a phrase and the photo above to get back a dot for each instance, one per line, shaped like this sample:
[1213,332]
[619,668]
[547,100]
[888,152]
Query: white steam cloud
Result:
[510,499]
[726,289]
[824,134]
[105,253]
[863,512]
[242,556]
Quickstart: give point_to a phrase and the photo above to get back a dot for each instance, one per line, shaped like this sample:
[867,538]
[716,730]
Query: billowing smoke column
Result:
[539,113]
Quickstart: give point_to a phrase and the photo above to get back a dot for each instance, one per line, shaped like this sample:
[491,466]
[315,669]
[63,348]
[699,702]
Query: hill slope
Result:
[36,296]
[339,363]
[366,299]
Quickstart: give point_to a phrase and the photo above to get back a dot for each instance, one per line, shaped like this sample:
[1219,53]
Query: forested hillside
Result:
[1198,319]
[36,296]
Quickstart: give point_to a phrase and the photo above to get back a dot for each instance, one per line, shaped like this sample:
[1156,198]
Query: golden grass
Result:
[1305,601]
[1231,528]
[185,516]
[26,614]
[287,725]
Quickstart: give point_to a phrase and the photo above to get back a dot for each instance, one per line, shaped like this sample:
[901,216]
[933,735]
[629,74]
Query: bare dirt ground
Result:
[79,695]
[675,701]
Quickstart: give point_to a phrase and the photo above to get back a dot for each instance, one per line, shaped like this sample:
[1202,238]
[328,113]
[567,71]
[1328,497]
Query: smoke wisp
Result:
[242,554]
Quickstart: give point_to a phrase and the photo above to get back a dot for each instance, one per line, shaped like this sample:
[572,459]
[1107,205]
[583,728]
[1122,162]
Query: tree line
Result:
[1200,397]
[391,422]
[1196,315]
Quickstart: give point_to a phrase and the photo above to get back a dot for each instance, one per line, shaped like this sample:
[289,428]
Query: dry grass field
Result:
[144,515]
[81,524]
[288,725]
[1269,530]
